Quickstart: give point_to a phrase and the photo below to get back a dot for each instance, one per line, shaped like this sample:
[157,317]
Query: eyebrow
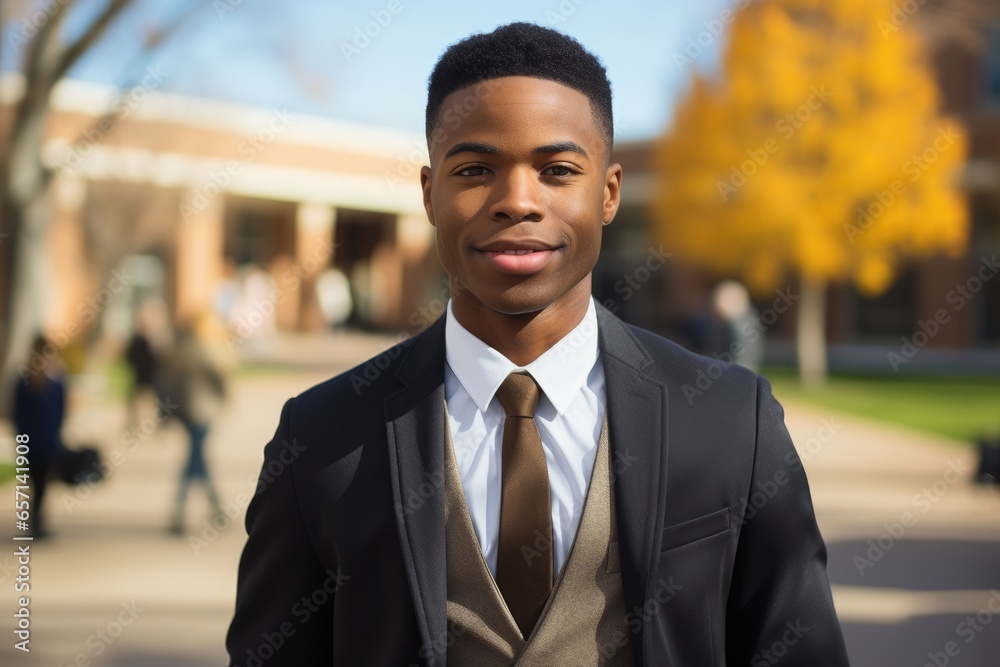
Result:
[477,147]
[471,147]
[561,147]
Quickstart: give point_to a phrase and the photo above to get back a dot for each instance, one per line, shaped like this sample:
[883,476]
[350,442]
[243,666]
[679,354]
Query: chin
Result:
[521,300]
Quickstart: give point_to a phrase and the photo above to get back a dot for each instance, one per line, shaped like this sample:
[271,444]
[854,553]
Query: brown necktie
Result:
[524,555]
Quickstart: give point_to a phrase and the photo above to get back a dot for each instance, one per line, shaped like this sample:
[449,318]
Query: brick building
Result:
[177,193]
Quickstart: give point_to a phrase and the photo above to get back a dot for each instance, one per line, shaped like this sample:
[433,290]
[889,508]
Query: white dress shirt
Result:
[569,417]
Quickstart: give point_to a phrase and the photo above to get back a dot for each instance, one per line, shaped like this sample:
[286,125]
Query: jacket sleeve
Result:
[284,596]
[780,605]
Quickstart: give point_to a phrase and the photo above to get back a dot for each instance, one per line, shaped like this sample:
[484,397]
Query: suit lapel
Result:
[415,434]
[637,414]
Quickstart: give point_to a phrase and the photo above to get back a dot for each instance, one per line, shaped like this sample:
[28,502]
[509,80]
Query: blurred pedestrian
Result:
[194,383]
[333,292]
[39,409]
[731,303]
[254,315]
[704,331]
[144,364]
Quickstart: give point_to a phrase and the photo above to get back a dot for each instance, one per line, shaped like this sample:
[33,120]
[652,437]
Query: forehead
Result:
[514,111]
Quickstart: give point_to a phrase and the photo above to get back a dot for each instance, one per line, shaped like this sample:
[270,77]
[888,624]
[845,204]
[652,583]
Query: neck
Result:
[523,337]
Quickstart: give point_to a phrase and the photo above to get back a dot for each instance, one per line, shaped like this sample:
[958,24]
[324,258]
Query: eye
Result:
[559,170]
[474,170]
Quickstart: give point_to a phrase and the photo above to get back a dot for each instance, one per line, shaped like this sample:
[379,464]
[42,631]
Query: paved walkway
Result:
[113,588]
[914,546]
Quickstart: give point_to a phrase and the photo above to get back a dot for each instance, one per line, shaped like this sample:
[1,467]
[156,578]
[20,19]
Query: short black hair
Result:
[521,49]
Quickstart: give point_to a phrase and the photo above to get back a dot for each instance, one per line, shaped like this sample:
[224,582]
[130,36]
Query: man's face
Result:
[519,190]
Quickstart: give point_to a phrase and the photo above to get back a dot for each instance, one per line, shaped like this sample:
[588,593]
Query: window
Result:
[991,66]
[891,314]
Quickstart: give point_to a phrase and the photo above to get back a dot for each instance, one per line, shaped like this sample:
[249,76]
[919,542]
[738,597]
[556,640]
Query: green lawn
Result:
[119,378]
[963,408]
[6,472]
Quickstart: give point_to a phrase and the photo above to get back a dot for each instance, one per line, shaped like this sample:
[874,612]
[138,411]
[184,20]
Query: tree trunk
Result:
[25,182]
[28,296]
[811,332]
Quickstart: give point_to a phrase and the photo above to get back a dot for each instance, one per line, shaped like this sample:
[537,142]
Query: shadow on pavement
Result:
[923,641]
[152,659]
[915,564]
[925,636]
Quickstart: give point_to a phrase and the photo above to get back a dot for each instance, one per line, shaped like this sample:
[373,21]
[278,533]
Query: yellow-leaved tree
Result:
[817,153]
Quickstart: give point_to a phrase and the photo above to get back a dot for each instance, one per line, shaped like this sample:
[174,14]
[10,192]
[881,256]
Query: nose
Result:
[517,196]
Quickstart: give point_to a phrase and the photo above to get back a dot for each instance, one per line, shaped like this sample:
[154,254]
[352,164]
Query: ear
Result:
[425,186]
[612,192]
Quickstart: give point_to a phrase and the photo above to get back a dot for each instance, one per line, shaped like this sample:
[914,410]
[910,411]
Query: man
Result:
[525,482]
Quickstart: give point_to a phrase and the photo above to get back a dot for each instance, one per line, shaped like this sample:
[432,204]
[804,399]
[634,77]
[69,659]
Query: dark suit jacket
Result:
[721,559]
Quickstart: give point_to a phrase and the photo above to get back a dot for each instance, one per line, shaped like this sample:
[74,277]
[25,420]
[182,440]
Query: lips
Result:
[521,246]
[518,258]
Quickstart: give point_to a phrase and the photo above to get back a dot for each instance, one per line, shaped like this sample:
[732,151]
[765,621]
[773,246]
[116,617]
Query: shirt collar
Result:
[560,371]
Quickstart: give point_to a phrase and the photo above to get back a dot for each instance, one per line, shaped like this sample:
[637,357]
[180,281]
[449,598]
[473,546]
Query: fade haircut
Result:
[521,49]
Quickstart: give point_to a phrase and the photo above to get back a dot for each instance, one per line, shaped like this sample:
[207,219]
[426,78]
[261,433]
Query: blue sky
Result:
[302,54]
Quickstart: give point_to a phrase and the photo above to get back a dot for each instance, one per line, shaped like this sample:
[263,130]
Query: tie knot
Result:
[519,395]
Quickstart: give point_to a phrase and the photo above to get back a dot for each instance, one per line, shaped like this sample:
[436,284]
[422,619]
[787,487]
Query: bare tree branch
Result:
[42,41]
[34,95]
[73,52]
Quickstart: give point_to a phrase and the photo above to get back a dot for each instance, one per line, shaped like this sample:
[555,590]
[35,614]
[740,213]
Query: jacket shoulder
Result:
[675,365]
